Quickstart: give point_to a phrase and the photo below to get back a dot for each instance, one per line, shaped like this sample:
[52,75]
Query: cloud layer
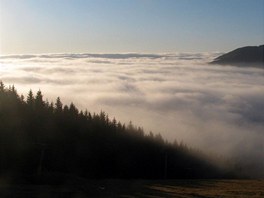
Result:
[215,108]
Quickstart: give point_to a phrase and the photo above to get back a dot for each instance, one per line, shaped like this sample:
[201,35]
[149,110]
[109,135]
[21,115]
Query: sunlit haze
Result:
[178,95]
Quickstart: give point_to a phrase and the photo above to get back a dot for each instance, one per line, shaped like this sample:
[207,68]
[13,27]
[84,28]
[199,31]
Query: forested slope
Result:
[43,140]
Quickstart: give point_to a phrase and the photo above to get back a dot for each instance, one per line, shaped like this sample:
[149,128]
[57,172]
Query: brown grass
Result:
[211,188]
[141,188]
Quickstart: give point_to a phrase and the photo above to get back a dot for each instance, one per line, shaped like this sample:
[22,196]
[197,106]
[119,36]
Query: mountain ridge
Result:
[243,56]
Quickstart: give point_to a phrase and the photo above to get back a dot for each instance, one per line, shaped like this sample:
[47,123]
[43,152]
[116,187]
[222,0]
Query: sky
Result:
[120,26]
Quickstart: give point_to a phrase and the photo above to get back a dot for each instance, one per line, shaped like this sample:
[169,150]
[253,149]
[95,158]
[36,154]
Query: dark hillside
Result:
[45,142]
[251,55]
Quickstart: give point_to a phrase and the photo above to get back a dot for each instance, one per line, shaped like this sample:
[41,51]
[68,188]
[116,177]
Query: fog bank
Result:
[215,108]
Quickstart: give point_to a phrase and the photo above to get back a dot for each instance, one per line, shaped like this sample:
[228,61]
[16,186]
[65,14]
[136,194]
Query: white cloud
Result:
[216,108]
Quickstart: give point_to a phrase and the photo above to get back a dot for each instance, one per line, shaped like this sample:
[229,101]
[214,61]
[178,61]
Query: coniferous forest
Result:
[42,140]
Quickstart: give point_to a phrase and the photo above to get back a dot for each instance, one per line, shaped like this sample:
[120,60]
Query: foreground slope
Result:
[48,143]
[141,188]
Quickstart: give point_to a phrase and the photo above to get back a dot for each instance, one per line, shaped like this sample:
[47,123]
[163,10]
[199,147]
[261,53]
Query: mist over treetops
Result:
[39,138]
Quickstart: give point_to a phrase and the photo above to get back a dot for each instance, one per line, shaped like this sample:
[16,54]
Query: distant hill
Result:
[245,56]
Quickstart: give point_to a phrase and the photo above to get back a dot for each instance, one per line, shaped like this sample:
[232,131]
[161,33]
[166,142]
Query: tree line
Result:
[40,138]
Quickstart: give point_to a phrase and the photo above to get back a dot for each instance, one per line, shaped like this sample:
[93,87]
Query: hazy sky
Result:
[104,26]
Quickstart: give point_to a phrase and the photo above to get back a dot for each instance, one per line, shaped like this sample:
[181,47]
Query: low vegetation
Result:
[141,188]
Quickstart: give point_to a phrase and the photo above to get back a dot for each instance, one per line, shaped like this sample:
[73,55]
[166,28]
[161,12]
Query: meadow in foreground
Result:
[141,188]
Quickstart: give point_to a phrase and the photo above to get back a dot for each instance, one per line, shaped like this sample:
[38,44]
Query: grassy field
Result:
[140,188]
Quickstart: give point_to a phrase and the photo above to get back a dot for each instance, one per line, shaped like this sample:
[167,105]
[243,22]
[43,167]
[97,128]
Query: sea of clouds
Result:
[219,109]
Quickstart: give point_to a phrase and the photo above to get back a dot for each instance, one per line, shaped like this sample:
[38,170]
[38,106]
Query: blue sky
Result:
[113,26]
